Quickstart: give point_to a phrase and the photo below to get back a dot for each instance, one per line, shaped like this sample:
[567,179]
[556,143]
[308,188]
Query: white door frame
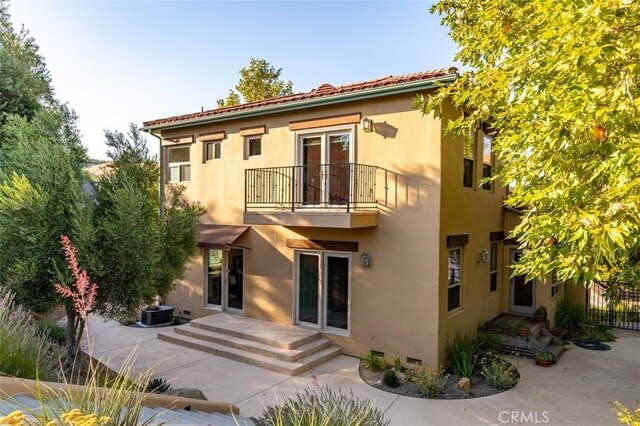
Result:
[517,309]
[323,134]
[224,290]
[322,296]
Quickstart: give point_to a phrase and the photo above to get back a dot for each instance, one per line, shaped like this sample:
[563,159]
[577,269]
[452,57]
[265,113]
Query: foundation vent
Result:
[414,361]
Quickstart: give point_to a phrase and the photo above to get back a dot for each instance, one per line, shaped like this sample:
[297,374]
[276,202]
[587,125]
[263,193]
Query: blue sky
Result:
[117,62]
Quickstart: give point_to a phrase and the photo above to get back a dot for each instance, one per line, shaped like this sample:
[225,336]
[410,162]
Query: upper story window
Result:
[212,151]
[469,159]
[493,267]
[487,158]
[253,146]
[179,163]
[454,287]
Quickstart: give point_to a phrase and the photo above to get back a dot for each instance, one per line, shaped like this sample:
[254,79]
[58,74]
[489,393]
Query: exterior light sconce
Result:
[365,260]
[367,124]
[483,256]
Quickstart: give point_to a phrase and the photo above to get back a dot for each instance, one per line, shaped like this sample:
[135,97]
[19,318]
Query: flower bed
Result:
[494,375]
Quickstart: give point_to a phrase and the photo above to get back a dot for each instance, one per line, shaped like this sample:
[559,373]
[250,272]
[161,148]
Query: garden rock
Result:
[186,393]
[401,376]
[464,384]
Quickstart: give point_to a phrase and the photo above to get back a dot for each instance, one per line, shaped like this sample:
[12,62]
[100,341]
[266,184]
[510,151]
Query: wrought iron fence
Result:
[347,186]
[617,306]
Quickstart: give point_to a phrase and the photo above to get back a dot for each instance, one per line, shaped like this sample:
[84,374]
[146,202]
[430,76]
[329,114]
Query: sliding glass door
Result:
[323,290]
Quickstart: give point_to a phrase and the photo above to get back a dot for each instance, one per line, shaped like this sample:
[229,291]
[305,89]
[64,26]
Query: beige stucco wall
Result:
[394,305]
[475,212]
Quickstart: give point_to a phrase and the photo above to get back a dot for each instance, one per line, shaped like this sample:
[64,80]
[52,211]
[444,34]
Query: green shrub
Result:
[121,401]
[429,383]
[466,347]
[322,408]
[391,379]
[49,327]
[498,372]
[598,332]
[399,366]
[157,385]
[569,316]
[25,352]
[374,362]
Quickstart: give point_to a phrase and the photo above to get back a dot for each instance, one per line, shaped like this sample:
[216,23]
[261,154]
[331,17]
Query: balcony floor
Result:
[314,218]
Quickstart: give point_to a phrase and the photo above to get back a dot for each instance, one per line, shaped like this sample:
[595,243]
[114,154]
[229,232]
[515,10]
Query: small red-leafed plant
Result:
[82,298]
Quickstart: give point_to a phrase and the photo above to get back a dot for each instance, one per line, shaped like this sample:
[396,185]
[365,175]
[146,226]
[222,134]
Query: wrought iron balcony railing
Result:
[340,186]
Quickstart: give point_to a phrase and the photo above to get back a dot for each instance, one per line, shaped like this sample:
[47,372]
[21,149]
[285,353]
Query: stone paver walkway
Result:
[576,391]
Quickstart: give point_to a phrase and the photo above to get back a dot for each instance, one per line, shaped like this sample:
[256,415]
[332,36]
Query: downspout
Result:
[161,174]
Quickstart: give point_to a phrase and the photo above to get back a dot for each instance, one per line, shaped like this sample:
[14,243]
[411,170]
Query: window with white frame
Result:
[469,156]
[212,150]
[179,163]
[555,284]
[253,146]
[454,287]
[493,268]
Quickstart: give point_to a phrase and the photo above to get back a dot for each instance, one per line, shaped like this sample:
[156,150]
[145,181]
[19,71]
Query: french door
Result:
[225,279]
[521,291]
[323,290]
[324,174]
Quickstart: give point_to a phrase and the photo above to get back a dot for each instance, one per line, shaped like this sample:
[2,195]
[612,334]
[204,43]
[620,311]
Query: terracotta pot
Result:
[524,332]
[538,318]
[506,329]
[491,327]
[543,362]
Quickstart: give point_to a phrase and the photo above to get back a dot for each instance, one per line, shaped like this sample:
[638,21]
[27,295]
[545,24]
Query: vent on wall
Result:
[414,361]
[186,312]
[377,353]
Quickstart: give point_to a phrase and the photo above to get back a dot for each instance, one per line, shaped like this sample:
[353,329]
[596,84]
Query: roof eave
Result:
[309,103]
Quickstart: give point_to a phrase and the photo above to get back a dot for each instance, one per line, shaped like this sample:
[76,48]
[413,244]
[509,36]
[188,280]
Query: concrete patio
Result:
[578,390]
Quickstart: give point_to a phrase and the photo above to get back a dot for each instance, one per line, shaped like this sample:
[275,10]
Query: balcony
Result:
[341,195]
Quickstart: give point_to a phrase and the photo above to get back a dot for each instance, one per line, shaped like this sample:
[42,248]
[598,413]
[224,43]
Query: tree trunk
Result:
[72,343]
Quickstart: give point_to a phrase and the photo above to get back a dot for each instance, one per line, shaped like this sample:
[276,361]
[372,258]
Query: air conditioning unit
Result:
[157,315]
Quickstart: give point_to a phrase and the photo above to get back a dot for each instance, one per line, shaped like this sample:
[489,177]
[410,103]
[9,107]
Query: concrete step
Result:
[280,366]
[291,355]
[278,335]
[545,340]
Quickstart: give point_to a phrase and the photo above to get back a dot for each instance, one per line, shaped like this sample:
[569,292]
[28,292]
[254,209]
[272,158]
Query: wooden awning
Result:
[221,237]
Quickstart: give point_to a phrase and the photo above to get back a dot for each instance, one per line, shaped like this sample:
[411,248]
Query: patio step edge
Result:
[259,348]
[247,335]
[279,366]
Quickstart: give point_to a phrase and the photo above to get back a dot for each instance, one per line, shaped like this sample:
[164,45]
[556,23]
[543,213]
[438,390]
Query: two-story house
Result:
[345,210]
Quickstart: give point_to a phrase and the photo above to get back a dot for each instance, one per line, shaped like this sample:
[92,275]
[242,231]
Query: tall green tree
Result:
[25,83]
[143,248]
[259,81]
[559,81]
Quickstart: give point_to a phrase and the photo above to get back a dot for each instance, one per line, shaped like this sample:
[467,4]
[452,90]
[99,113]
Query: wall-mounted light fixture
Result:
[483,256]
[367,124]
[365,260]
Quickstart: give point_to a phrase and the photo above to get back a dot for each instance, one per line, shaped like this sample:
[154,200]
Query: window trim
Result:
[217,144]
[495,272]
[247,142]
[473,136]
[459,283]
[178,164]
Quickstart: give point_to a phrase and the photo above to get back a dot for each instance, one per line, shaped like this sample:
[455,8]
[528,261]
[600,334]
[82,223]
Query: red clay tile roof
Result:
[322,91]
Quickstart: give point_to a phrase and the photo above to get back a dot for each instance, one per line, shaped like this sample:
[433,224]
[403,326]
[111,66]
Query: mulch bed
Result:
[479,386]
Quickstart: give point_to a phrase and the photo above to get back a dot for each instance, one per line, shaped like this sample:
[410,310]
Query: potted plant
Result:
[504,327]
[540,314]
[523,330]
[544,359]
